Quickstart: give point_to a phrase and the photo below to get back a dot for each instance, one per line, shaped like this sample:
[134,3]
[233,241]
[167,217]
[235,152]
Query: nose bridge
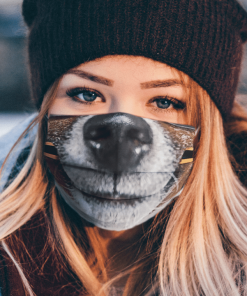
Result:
[125,101]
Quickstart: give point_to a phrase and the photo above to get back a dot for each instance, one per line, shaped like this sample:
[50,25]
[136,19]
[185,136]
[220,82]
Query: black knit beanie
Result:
[202,38]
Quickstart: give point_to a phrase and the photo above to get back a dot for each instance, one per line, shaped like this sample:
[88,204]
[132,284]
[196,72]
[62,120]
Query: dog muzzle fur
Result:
[118,170]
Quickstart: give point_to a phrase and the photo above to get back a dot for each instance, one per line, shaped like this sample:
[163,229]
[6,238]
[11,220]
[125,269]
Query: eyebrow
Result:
[161,83]
[89,76]
[109,82]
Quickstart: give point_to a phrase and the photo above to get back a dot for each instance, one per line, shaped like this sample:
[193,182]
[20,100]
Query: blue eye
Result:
[163,103]
[83,95]
[169,103]
[87,96]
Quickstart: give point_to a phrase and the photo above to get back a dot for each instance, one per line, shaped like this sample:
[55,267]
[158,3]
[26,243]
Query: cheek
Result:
[182,118]
[179,117]
[57,107]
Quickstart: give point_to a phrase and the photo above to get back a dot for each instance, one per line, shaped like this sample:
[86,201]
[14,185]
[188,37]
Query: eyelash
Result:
[176,104]
[74,92]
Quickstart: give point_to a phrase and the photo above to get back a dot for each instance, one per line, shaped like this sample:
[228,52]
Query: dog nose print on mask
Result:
[118,170]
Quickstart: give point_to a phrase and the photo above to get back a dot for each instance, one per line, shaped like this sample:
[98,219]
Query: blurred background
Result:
[14,86]
[15,102]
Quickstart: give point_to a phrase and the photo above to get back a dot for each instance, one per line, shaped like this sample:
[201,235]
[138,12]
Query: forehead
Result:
[124,66]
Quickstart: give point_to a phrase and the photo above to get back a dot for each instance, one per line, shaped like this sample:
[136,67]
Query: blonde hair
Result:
[196,246]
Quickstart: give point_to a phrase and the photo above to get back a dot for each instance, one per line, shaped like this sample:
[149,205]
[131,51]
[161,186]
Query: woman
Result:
[130,84]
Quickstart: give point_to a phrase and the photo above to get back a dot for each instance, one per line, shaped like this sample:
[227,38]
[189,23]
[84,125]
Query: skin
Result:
[130,84]
[125,92]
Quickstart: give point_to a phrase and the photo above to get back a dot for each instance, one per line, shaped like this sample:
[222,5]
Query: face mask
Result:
[118,170]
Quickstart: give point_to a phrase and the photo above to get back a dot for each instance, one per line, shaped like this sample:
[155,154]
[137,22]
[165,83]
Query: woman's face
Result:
[129,84]
[118,186]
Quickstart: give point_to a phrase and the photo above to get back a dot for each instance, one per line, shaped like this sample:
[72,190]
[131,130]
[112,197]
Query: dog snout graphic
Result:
[117,141]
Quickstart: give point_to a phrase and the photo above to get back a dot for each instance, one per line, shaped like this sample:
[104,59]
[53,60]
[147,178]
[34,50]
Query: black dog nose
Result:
[118,141]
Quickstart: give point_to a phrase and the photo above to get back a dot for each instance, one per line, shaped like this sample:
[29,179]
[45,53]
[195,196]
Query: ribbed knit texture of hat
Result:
[202,38]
